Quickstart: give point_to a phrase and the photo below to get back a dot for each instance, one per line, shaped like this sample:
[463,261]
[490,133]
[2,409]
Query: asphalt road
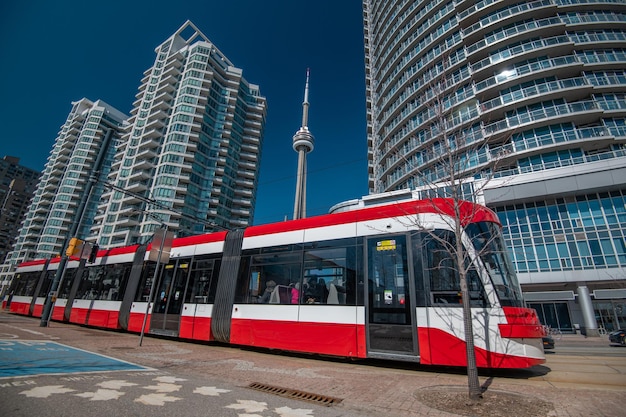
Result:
[88,372]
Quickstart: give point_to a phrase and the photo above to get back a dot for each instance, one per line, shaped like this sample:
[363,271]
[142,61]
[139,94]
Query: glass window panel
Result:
[541,252]
[66,284]
[594,206]
[530,253]
[607,205]
[620,246]
[607,247]
[583,207]
[542,213]
[563,317]
[532,215]
[203,281]
[328,268]
[552,252]
[595,247]
[553,213]
[588,222]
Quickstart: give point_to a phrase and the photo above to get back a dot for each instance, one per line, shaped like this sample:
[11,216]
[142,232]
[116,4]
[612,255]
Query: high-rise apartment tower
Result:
[190,156]
[88,135]
[17,186]
[542,85]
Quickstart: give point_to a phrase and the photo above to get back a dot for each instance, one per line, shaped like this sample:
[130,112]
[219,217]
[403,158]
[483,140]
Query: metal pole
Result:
[154,284]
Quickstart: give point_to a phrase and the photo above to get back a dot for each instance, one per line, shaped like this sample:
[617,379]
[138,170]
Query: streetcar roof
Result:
[469,213]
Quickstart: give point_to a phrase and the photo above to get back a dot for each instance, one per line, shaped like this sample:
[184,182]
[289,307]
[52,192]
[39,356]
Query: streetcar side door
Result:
[169,298]
[390,306]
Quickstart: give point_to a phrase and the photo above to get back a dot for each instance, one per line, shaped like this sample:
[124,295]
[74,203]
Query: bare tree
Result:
[455,159]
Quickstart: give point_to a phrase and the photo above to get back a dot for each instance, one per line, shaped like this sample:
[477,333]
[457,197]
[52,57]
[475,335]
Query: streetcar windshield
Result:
[490,247]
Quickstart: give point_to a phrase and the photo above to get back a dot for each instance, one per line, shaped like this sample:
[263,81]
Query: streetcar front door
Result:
[391,327]
[169,299]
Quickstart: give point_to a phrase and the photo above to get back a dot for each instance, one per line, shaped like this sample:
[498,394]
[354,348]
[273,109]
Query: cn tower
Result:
[303,144]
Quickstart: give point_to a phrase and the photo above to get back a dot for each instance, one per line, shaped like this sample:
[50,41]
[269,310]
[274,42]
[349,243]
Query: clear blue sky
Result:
[56,52]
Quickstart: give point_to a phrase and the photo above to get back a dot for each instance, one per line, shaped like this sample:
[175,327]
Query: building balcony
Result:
[138,100]
[571,90]
[244,183]
[581,112]
[473,13]
[127,219]
[146,153]
[166,86]
[163,101]
[143,164]
[557,45]
[154,123]
[533,9]
[547,27]
[565,66]
[245,164]
[138,186]
[244,173]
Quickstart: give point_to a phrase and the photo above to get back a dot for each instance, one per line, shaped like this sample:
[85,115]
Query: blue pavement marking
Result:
[33,357]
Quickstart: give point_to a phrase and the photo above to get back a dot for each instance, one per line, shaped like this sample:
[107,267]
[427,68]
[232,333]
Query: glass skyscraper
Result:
[87,136]
[542,85]
[190,155]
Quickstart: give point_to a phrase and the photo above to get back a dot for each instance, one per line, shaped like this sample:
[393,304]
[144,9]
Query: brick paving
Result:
[576,384]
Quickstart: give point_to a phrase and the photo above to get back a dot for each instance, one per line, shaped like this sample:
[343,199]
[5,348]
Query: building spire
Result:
[303,144]
[305,103]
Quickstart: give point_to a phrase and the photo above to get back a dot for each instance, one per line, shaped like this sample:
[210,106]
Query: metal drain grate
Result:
[295,394]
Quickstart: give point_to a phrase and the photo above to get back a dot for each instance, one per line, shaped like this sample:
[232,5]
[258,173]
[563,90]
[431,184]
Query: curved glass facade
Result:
[542,86]
[548,76]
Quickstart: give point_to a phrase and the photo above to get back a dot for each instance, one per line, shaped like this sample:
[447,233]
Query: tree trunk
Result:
[475,392]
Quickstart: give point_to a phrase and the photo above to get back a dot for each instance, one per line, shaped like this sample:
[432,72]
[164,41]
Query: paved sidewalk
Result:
[591,382]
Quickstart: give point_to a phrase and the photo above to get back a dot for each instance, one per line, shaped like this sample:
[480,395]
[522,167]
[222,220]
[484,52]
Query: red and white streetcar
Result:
[375,282]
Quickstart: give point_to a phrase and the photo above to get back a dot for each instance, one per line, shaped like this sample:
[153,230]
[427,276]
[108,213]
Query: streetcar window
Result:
[66,284]
[330,276]
[105,282]
[489,244]
[443,274]
[274,279]
[26,283]
[46,284]
[147,276]
[202,281]
[324,273]
[421,299]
